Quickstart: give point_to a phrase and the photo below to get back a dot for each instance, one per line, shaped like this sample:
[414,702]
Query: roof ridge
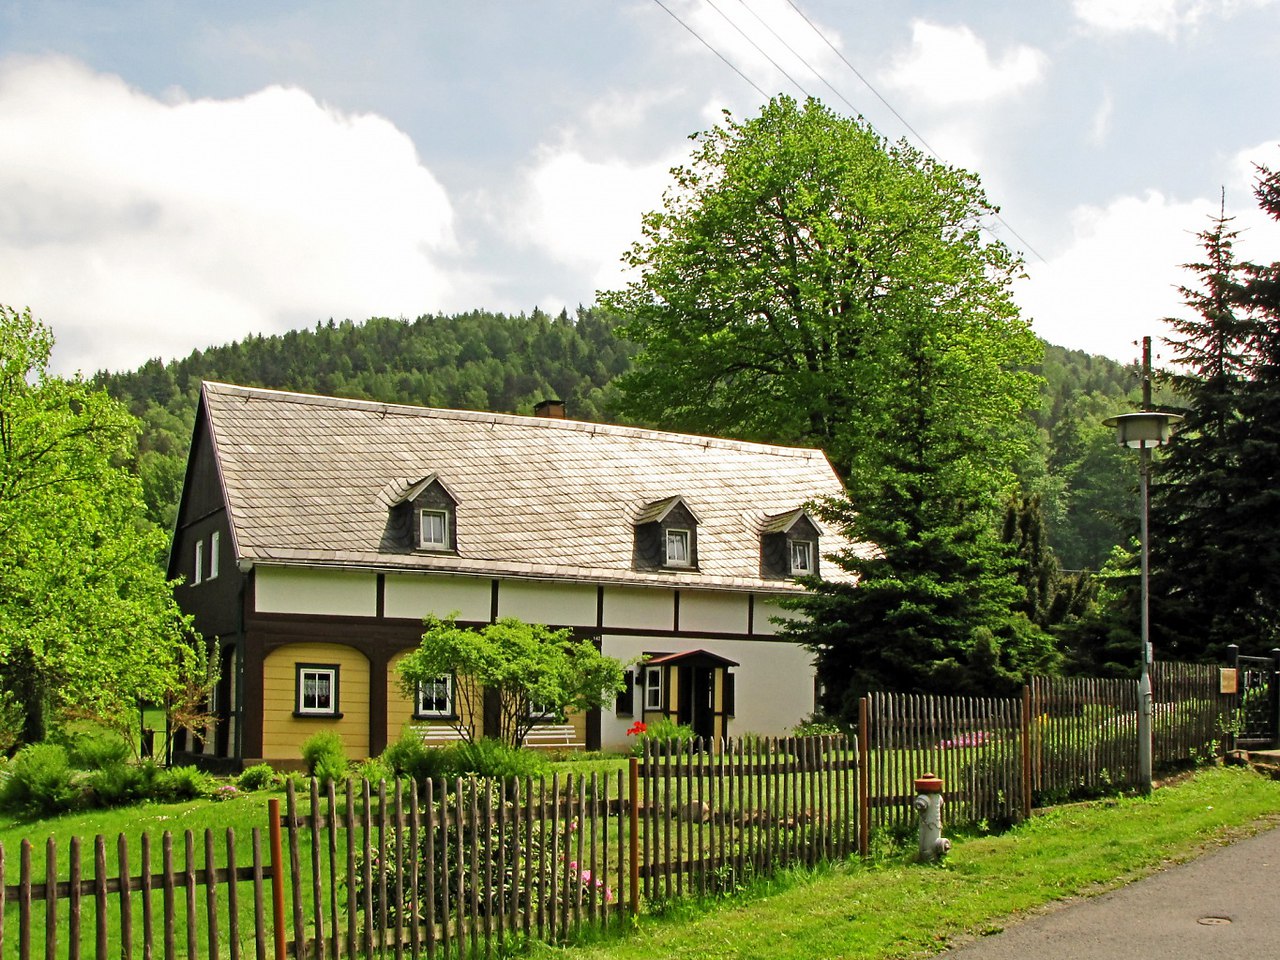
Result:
[217,387]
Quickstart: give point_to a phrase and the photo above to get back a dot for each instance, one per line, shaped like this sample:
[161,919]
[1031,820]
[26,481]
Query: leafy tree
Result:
[805,282]
[527,668]
[88,624]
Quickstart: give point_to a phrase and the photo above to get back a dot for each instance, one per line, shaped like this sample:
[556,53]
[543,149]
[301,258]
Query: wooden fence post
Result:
[277,877]
[864,781]
[633,786]
[1026,752]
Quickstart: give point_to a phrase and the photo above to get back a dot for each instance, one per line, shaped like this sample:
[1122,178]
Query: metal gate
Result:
[1257,700]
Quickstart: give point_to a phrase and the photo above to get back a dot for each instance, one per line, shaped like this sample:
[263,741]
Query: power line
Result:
[760,50]
[711,48]
[813,27]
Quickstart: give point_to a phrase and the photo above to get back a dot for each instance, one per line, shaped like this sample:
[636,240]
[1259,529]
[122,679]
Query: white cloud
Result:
[1101,125]
[1117,277]
[1163,17]
[950,66]
[584,212]
[136,227]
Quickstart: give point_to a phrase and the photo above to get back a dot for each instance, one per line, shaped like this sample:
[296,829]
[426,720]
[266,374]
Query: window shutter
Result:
[624,704]
[728,694]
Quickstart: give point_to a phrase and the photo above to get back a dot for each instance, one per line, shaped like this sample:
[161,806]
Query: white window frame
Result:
[199,564]
[423,542]
[215,540]
[653,688]
[800,569]
[421,710]
[316,673]
[677,536]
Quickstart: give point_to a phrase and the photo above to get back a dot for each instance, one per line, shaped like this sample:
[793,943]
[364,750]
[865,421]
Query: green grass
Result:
[894,908]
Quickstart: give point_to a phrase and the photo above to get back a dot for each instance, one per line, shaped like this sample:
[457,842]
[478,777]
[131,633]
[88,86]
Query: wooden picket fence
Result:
[472,867]
[192,906]
[974,744]
[708,819]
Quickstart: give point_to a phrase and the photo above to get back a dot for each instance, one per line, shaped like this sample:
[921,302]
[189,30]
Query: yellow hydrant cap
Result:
[930,784]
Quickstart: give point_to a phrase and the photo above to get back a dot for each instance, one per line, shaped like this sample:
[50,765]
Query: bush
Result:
[260,776]
[816,727]
[97,751]
[325,756]
[410,757]
[118,783]
[39,782]
[661,731]
[494,758]
[182,783]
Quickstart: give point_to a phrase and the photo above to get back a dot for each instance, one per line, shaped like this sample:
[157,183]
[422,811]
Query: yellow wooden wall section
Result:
[282,732]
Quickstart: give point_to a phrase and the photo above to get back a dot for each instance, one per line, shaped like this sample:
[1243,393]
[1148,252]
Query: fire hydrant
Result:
[928,803]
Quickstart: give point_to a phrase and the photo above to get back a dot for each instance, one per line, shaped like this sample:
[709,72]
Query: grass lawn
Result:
[893,908]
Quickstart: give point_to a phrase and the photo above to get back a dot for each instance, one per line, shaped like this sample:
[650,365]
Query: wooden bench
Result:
[553,736]
[437,734]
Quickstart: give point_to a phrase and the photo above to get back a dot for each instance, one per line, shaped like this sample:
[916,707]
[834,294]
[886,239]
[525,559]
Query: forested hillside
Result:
[506,363]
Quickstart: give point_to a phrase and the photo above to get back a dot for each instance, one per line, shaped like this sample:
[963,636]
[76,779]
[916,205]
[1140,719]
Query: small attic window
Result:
[677,548]
[424,516]
[666,536]
[789,545]
[801,557]
[433,529]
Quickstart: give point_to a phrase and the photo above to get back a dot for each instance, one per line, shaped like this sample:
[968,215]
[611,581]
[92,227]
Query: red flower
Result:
[637,728]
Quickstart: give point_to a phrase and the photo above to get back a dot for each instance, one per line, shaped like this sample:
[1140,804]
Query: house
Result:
[315,533]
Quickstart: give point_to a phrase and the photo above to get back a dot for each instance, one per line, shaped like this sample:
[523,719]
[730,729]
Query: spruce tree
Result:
[1201,584]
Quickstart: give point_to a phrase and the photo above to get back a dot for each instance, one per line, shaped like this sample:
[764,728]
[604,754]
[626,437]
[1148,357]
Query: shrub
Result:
[815,727]
[325,756]
[662,731]
[372,769]
[494,758]
[410,757]
[118,783]
[97,751]
[260,776]
[39,782]
[182,783]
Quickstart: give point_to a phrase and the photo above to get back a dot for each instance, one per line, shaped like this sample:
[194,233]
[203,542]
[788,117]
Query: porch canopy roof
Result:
[691,658]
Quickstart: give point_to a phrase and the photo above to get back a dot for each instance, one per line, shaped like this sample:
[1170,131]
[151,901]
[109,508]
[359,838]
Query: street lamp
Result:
[1144,430]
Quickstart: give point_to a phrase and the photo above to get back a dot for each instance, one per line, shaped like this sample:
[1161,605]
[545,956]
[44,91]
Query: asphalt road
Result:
[1226,904]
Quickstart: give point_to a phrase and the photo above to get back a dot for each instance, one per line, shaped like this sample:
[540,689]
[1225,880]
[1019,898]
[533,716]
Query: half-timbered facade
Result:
[315,533]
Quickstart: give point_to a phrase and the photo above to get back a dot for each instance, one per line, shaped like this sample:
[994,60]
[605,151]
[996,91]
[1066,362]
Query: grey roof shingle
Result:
[311,479]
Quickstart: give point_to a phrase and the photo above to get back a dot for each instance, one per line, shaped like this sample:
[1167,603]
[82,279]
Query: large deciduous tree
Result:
[806,282]
[87,622]
[529,670]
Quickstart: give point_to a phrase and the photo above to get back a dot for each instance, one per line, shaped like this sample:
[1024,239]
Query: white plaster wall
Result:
[333,593]
[774,683]
[638,609]
[766,609]
[561,604]
[715,612]
[413,597]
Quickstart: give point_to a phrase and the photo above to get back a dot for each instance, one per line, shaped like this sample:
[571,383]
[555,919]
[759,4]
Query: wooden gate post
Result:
[864,780]
[1026,752]
[634,811]
[277,877]
[1274,690]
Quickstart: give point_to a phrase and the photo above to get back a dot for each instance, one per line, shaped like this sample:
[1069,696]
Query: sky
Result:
[177,175]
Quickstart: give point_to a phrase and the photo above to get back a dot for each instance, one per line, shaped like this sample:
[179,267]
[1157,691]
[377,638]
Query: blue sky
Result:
[176,175]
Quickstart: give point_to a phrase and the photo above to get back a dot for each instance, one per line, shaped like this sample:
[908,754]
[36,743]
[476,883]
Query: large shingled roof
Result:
[312,479]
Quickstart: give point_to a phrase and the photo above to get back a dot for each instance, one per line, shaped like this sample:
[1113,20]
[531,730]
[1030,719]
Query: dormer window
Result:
[801,558]
[433,529]
[789,545]
[666,536]
[677,548]
[424,515]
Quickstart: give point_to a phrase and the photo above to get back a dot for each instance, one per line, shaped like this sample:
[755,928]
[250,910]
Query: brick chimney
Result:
[549,408]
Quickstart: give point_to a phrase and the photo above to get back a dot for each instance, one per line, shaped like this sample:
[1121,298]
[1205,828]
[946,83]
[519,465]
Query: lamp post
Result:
[1142,431]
